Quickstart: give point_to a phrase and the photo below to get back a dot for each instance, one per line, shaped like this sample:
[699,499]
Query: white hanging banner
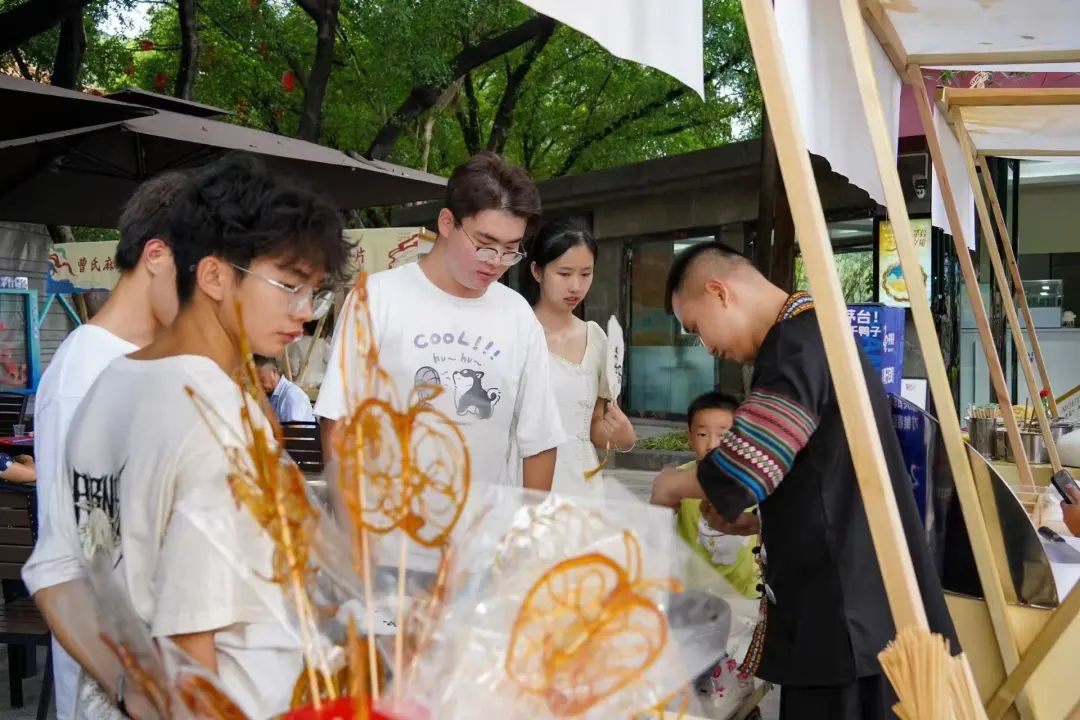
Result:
[957,171]
[827,93]
[663,34]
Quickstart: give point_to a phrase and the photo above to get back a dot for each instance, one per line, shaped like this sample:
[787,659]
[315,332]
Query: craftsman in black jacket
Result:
[824,609]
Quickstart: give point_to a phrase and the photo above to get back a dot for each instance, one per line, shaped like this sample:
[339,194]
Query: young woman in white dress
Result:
[563,255]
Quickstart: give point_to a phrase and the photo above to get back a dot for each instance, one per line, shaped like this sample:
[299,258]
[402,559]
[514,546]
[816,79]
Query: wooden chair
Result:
[304,445]
[22,628]
[12,412]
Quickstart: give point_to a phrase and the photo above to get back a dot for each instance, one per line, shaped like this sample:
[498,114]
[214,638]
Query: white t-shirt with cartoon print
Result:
[488,354]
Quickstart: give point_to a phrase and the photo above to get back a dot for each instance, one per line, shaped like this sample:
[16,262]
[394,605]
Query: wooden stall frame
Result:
[910,68]
[1002,281]
[1018,284]
[875,486]
[989,557]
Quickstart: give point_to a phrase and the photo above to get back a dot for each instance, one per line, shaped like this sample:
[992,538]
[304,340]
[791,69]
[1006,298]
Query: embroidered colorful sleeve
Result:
[769,431]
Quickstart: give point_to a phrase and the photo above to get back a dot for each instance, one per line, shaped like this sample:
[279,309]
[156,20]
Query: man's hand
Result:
[1071,511]
[673,485]
[746,524]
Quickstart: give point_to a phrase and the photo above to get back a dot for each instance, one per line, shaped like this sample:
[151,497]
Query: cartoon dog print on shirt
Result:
[470,397]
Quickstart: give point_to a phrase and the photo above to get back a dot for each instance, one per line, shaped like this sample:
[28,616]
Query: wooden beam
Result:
[987,561]
[879,23]
[967,269]
[1002,281]
[1060,621]
[1010,97]
[1030,152]
[1018,282]
[1020,57]
[875,485]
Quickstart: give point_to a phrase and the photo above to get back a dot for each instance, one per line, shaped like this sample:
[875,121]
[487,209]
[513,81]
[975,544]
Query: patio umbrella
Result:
[83,176]
[31,108]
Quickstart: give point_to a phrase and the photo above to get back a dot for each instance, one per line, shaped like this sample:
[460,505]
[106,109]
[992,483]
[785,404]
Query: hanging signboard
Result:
[82,267]
[377,249]
[879,331]
[891,286]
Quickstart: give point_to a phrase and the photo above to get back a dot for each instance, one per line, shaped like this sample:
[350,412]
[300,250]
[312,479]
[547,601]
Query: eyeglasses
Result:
[320,302]
[508,258]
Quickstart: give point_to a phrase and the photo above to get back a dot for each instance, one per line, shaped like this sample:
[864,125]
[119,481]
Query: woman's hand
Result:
[616,429]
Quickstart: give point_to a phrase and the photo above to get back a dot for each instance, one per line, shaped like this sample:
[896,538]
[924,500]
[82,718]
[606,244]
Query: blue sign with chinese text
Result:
[879,330]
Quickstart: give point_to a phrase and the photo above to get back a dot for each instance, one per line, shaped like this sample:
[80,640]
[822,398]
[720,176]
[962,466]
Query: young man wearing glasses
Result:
[446,321]
[156,429]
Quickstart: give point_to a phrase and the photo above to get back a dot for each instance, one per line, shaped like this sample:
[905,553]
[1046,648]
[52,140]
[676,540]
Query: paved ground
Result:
[31,690]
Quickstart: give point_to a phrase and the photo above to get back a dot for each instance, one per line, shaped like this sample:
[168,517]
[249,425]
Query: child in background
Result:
[725,546]
[709,416]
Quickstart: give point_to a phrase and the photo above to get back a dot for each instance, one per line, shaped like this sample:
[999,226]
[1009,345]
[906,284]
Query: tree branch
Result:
[23,22]
[21,64]
[69,51]
[638,113]
[325,15]
[470,121]
[504,115]
[189,51]
[422,97]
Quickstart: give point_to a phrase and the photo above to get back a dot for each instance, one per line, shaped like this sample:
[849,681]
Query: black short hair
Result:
[146,216]
[238,210]
[264,361]
[712,400]
[680,268]
[553,239]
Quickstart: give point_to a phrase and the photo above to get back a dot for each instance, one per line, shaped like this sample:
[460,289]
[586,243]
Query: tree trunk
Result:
[468,116]
[33,17]
[504,116]
[325,15]
[69,51]
[189,51]
[423,97]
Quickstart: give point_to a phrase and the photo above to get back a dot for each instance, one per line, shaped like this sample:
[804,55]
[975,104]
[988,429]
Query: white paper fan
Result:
[616,350]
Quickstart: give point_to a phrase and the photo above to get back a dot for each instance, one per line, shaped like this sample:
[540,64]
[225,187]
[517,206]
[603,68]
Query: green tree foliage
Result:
[573,107]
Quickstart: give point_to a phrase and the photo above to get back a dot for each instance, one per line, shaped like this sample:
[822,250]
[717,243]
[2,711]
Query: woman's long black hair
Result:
[554,239]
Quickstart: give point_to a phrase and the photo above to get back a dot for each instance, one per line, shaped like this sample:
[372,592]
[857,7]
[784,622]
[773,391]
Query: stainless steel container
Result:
[1001,443]
[981,434]
[1033,447]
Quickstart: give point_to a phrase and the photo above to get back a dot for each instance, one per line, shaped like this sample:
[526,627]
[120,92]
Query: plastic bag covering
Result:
[160,680]
[563,607]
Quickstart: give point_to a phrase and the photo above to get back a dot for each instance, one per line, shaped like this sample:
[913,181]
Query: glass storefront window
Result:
[667,366]
[856,271]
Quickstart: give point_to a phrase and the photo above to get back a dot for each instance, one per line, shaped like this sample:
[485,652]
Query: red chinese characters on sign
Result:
[404,250]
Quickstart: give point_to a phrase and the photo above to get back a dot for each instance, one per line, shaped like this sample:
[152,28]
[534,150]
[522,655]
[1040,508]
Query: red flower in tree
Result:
[288,81]
[146,44]
[160,81]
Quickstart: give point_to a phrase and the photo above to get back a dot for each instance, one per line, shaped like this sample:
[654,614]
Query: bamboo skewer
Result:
[307,356]
[1018,283]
